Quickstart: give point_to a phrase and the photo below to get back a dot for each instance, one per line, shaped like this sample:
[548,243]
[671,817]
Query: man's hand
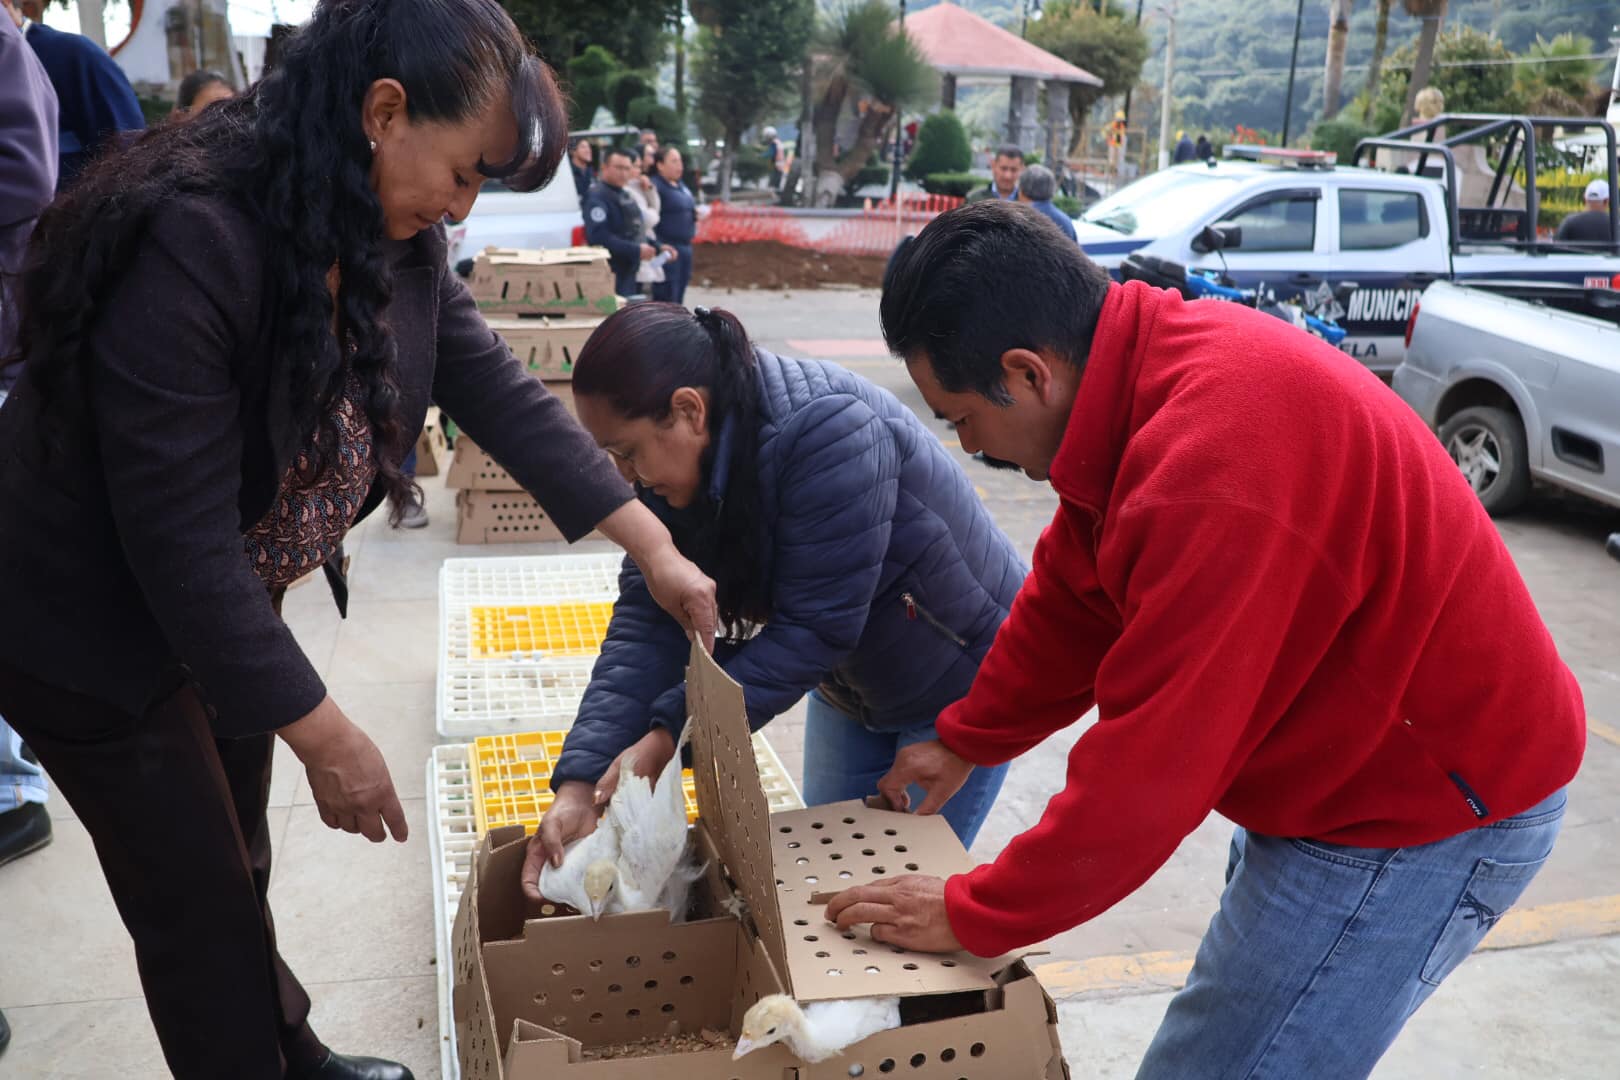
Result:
[931,765]
[651,752]
[907,911]
[647,252]
[347,774]
[572,816]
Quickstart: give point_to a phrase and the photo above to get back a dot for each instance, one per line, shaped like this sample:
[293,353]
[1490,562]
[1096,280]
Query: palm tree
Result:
[861,55]
[1338,38]
[1432,12]
[1560,85]
[1376,64]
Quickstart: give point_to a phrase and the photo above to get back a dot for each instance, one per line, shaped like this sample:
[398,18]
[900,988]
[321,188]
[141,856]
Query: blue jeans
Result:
[1320,953]
[677,276]
[843,760]
[21,780]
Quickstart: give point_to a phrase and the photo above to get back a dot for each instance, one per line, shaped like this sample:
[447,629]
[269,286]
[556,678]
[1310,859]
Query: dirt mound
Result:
[767,264]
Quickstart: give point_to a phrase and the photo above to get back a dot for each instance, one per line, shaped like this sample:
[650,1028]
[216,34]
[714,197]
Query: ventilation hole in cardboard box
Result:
[868,852]
[918,1060]
[629,961]
[947,963]
[793,843]
[548,910]
[785,829]
[897,950]
[811,937]
[826,839]
[687,980]
[559,1021]
[857,1070]
[873,969]
[779,883]
[857,836]
[911,866]
[845,874]
[615,988]
[577,993]
[879,870]
[890,832]
[901,848]
[667,1007]
[559,969]
[817,825]
[849,821]
[801,922]
[822,955]
[835,971]
[977,1050]
[596,965]
[909,967]
[947,1054]
[669,957]
[835,856]
[811,879]
[596,1018]
[886,1065]
[849,935]
[859,952]
[540,998]
[801,861]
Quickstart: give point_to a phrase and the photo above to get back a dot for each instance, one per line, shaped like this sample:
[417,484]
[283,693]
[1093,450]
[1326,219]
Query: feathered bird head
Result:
[601,879]
[771,1019]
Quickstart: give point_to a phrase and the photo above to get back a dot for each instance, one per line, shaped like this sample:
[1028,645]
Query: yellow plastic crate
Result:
[565,629]
[511,779]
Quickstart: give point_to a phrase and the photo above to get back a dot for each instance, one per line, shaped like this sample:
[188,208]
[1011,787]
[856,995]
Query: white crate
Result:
[454,839]
[486,697]
[452,842]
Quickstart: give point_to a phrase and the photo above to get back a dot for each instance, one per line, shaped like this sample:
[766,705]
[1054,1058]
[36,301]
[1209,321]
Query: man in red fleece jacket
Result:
[1286,605]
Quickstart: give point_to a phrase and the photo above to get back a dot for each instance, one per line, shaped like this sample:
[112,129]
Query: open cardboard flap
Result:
[780,861]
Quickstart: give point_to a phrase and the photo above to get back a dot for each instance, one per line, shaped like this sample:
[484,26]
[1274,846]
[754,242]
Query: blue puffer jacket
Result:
[888,577]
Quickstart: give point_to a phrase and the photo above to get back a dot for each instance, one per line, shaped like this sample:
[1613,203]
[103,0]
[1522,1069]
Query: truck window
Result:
[1284,222]
[1374,220]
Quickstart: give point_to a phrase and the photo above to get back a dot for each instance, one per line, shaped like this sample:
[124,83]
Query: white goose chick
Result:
[588,879]
[651,825]
[817,1031]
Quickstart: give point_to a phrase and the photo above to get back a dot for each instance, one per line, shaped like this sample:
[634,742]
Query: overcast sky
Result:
[250,18]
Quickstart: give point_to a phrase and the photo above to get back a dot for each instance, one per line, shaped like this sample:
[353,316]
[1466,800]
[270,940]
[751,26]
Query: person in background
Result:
[1036,186]
[94,98]
[613,221]
[1291,641]
[1185,150]
[777,156]
[1204,149]
[199,90]
[835,525]
[27,182]
[648,140]
[1589,226]
[677,223]
[650,274]
[1005,170]
[579,163]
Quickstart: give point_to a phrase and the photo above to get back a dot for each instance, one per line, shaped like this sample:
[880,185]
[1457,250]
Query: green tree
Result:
[1468,87]
[942,147]
[624,88]
[1375,64]
[636,31]
[1561,85]
[747,56]
[589,75]
[1107,43]
[862,57]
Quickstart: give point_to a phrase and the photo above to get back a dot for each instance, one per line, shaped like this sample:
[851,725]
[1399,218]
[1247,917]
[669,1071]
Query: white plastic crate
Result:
[516,692]
[454,838]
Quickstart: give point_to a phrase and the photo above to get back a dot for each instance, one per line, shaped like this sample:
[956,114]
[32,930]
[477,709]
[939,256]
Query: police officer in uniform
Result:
[613,220]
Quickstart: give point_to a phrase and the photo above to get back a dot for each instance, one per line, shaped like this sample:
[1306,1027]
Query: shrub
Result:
[646,112]
[750,165]
[952,183]
[871,174]
[1339,136]
[625,88]
[942,147]
[1068,204]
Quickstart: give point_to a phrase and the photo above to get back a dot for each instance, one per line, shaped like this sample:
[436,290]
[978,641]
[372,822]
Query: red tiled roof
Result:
[958,42]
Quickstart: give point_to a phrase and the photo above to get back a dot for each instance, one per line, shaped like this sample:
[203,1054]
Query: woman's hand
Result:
[651,753]
[675,582]
[571,817]
[933,766]
[347,774]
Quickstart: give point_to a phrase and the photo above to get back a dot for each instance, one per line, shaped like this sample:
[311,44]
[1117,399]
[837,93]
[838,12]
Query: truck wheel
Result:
[1489,446]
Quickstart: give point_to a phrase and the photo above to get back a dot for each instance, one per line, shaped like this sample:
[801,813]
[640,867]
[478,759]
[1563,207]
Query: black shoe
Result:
[343,1067]
[25,829]
[5,1033]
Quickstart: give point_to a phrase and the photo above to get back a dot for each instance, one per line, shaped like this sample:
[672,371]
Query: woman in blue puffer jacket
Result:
[853,561]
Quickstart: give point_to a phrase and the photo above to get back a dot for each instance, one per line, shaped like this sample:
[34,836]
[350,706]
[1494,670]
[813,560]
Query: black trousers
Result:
[178,821]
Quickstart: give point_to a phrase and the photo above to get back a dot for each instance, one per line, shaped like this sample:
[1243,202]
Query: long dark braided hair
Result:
[291,151]
[636,360]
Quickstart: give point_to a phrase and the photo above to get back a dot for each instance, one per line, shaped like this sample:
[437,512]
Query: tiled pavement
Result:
[356,920]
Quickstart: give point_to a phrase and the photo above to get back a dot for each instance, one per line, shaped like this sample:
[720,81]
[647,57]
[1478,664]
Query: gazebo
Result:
[960,44]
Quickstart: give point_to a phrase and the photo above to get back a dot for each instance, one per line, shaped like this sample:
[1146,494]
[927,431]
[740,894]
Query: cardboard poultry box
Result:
[547,347]
[534,997]
[471,467]
[563,281]
[431,447]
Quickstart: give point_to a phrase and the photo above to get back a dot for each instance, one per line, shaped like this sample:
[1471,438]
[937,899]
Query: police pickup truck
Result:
[1304,222]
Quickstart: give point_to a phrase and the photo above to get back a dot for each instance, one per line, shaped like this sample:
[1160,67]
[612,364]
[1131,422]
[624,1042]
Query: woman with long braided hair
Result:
[232,331]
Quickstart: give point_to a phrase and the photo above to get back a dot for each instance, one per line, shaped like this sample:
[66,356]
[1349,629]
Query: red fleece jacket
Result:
[1286,604]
